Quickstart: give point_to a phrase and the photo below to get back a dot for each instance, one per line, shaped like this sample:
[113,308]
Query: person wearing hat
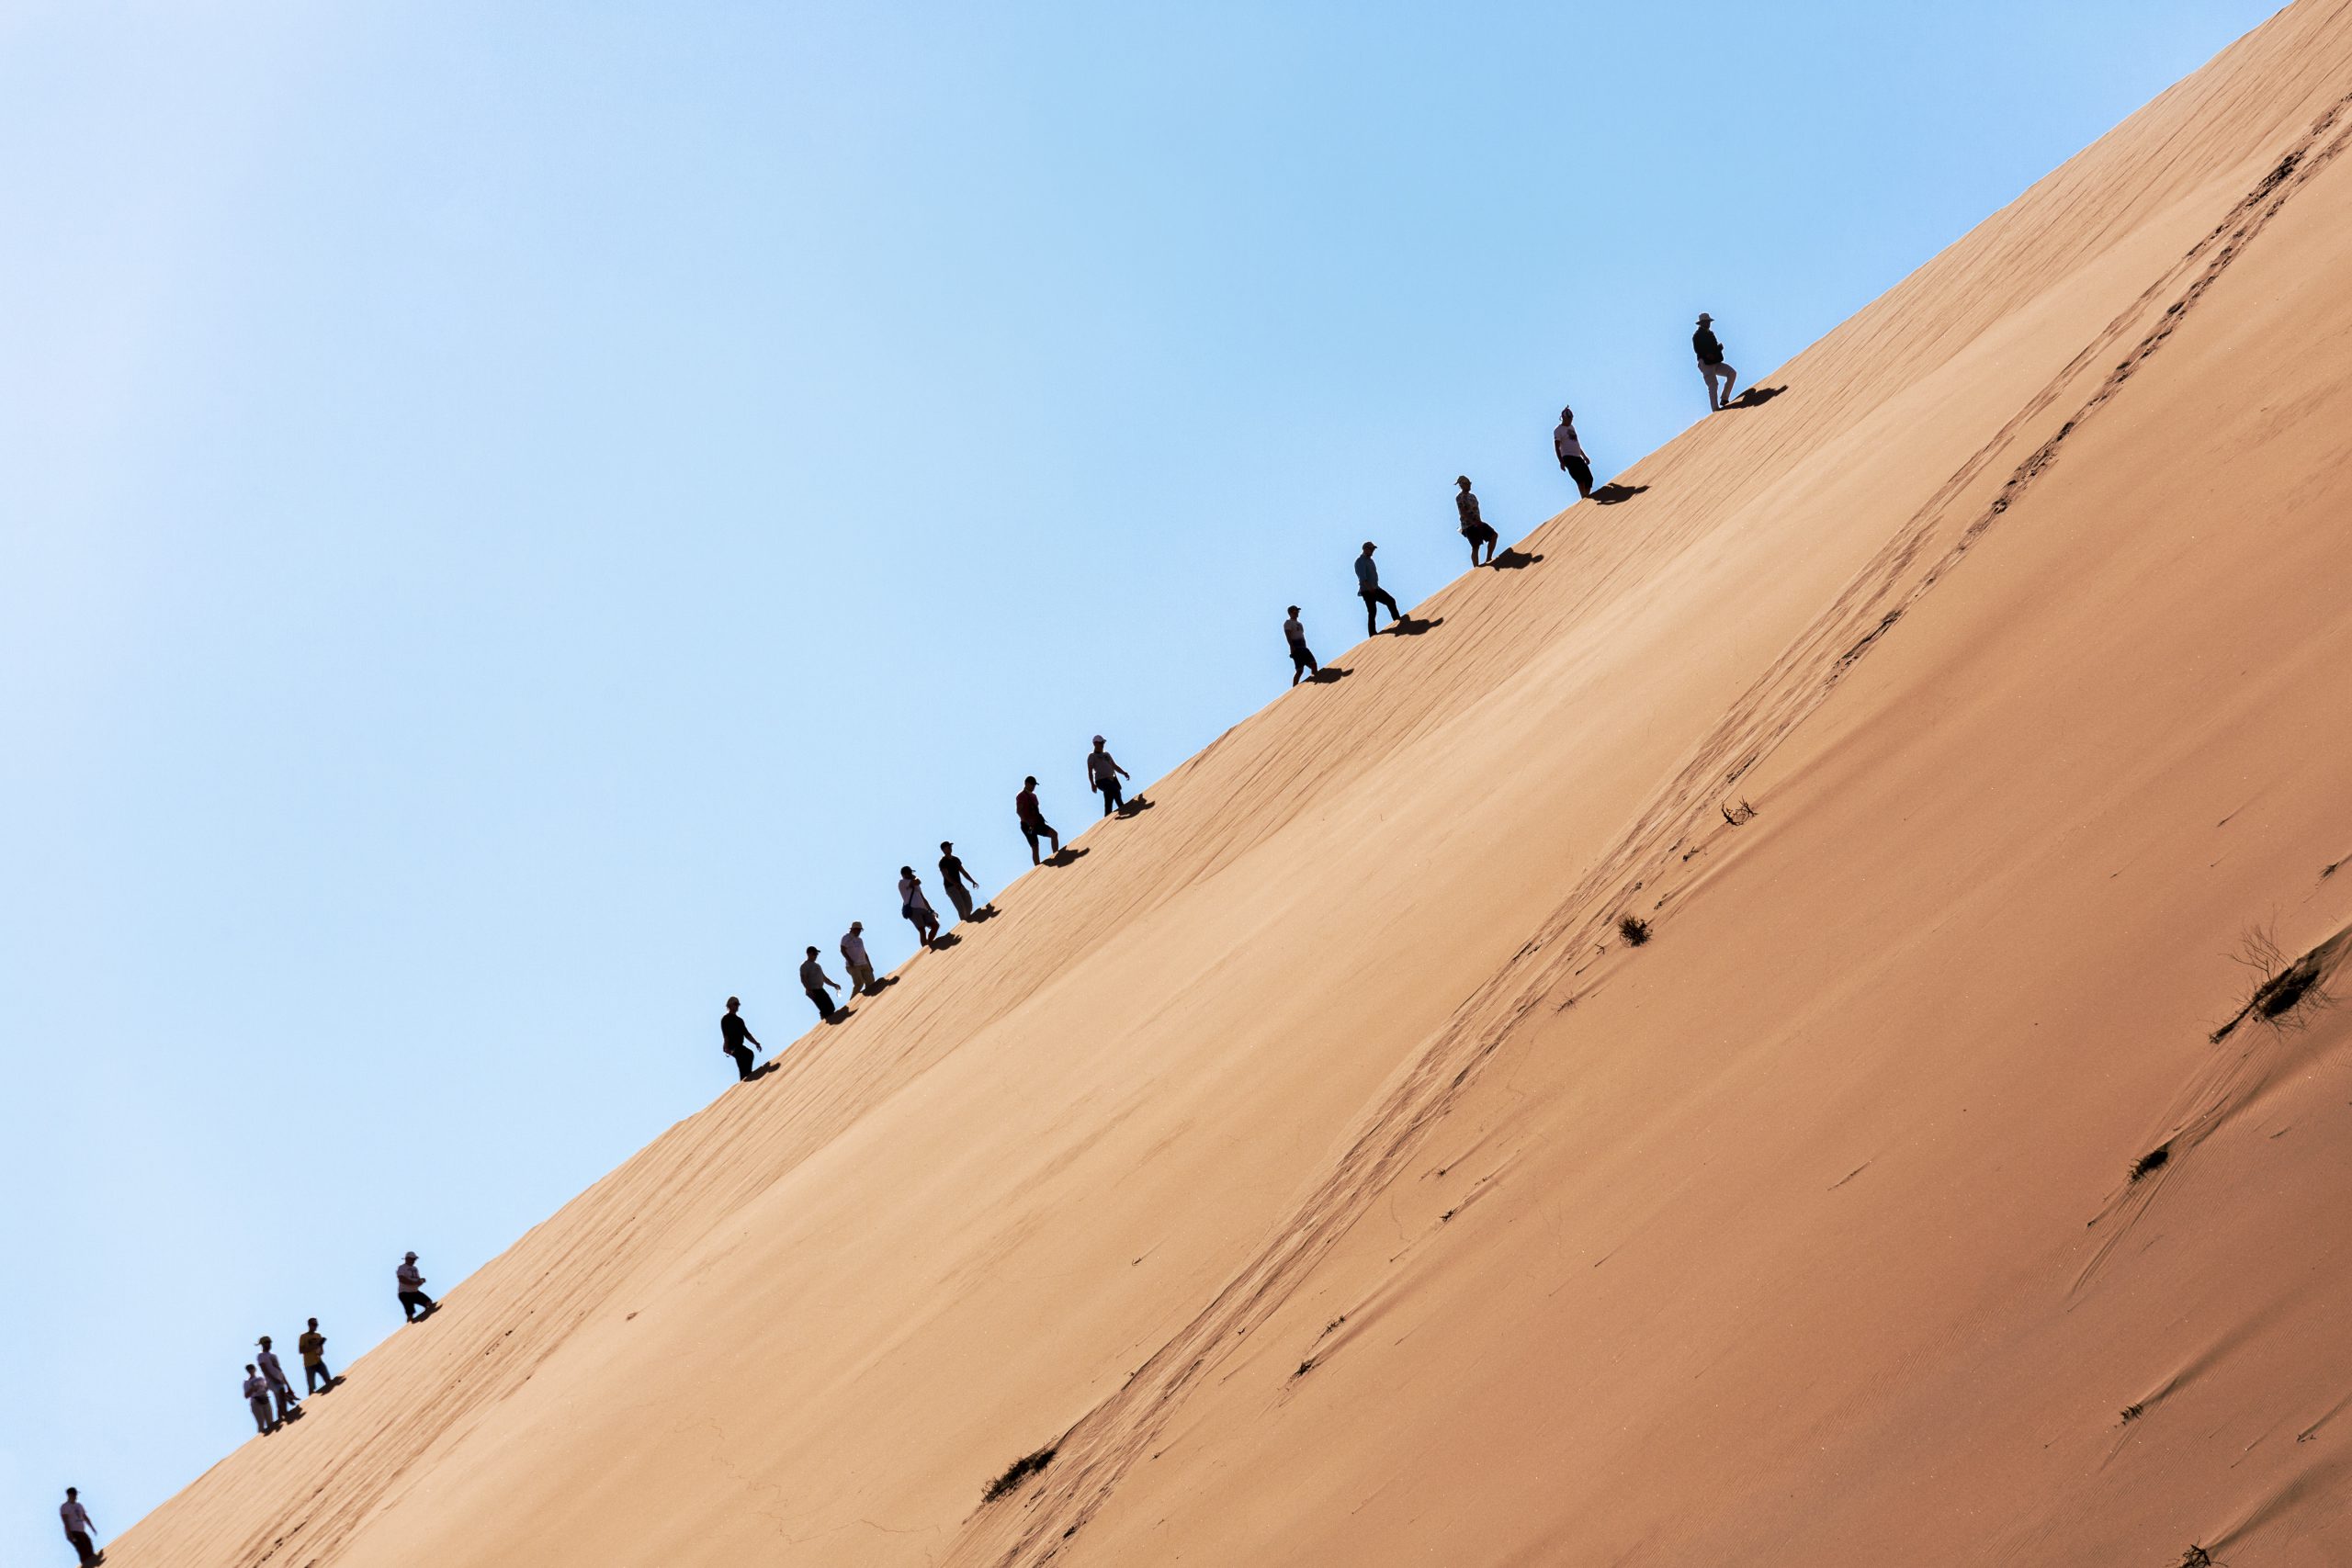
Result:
[1368,588]
[960,884]
[916,908]
[1104,773]
[815,981]
[78,1529]
[1473,527]
[732,1032]
[1570,451]
[1033,825]
[1302,658]
[313,1346]
[281,1388]
[1710,350]
[413,1301]
[257,1401]
[853,955]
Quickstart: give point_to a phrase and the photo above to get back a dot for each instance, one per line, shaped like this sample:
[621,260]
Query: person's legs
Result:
[1114,796]
[1581,471]
[314,1374]
[416,1303]
[80,1542]
[1371,614]
[822,1003]
[1048,828]
[1395,614]
[961,897]
[1029,833]
[286,1400]
[1302,662]
[743,1054]
[259,1405]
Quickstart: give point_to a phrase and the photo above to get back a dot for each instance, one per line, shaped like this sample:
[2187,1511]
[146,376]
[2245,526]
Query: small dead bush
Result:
[1634,930]
[1016,1472]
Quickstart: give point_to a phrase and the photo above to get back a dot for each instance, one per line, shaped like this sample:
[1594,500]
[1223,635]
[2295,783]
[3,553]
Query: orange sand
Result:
[1315,1164]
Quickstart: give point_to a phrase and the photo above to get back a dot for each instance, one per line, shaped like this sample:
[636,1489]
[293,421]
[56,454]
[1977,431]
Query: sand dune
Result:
[1318,1171]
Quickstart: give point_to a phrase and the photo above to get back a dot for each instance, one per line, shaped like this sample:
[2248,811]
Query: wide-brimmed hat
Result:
[1704,318]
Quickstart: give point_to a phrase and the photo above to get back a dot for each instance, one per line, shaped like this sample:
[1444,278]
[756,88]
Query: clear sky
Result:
[516,519]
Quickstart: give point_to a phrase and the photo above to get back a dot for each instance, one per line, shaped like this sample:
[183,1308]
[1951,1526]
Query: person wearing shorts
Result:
[1302,658]
[1033,825]
[1474,528]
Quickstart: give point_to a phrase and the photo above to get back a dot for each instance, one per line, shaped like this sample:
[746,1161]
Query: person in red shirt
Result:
[1033,825]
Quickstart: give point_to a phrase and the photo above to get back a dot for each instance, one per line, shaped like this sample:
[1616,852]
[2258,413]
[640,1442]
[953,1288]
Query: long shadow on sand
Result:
[1756,397]
[1329,675]
[1611,494]
[1412,627]
[944,939]
[881,983]
[1135,808]
[1513,560]
[1066,857]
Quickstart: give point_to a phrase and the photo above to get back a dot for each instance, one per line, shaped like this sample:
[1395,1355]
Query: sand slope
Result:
[1317,1167]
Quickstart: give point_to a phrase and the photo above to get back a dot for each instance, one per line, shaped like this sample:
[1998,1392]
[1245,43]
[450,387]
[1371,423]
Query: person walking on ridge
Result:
[814,980]
[1368,588]
[281,1387]
[1104,773]
[257,1401]
[960,884]
[1475,528]
[916,908]
[732,1032]
[855,959]
[1710,350]
[78,1529]
[1570,451]
[1033,825]
[410,1280]
[1302,658]
[313,1346]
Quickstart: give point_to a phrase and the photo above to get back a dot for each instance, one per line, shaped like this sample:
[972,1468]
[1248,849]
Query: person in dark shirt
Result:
[313,1346]
[1473,527]
[960,884]
[814,980]
[1368,588]
[1033,825]
[1710,350]
[1302,658]
[732,1032]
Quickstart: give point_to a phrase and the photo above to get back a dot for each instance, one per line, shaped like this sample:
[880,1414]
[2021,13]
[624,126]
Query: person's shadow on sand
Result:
[881,983]
[1611,493]
[1513,560]
[1756,397]
[1412,627]
[1136,808]
[1329,675]
[1066,857]
[985,912]
[944,939]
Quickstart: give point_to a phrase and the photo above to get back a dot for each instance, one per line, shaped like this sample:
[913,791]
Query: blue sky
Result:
[514,519]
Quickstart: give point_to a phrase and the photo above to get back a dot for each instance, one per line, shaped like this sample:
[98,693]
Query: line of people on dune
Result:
[269,1394]
[1103,772]
[269,1391]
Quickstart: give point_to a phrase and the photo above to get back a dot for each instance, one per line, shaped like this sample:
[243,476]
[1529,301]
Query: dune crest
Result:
[1320,1171]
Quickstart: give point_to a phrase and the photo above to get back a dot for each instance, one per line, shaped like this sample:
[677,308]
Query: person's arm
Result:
[1122,771]
[754,1040]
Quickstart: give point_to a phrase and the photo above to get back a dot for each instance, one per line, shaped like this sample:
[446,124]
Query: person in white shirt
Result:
[78,1529]
[1570,451]
[1104,773]
[915,907]
[413,1301]
[257,1401]
[861,967]
[281,1388]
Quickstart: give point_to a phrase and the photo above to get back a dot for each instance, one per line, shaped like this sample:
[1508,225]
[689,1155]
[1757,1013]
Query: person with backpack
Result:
[1570,451]
[1103,774]
[815,982]
[313,1347]
[916,908]
[1033,825]
[732,1032]
[78,1529]
[281,1387]
[1302,658]
[1710,350]
[410,1280]
[1475,528]
[960,884]
[1368,588]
